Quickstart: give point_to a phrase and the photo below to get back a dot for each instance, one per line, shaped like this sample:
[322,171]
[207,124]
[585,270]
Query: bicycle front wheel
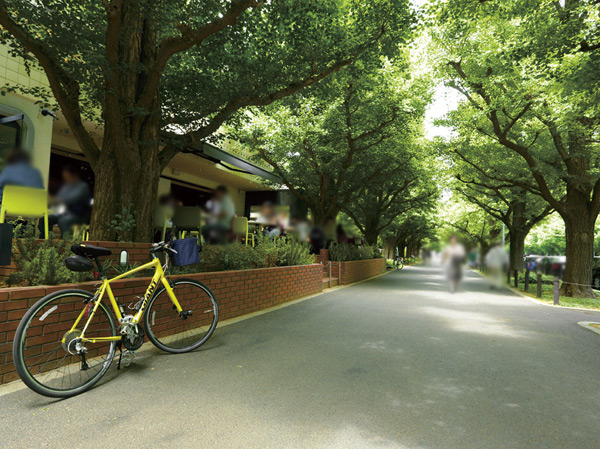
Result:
[172,332]
[45,348]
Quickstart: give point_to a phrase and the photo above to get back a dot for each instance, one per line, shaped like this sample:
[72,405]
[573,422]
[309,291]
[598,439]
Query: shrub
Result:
[343,252]
[235,256]
[41,263]
[291,252]
[124,223]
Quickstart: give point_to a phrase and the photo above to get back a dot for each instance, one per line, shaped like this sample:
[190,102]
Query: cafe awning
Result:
[233,162]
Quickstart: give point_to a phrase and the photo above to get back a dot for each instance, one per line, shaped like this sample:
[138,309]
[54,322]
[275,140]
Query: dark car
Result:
[596,278]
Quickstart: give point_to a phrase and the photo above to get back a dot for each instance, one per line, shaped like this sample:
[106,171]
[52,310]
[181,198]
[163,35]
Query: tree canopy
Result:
[354,135]
[161,75]
[528,72]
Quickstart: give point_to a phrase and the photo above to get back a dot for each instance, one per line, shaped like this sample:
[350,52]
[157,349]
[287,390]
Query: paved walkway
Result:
[396,362]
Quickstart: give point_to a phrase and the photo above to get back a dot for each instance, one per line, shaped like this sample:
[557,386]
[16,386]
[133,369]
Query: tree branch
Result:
[189,37]
[65,89]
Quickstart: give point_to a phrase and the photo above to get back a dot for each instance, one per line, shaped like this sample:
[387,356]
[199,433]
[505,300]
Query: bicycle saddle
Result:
[90,251]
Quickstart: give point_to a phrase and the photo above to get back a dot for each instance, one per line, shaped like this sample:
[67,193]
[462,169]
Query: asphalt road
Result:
[395,362]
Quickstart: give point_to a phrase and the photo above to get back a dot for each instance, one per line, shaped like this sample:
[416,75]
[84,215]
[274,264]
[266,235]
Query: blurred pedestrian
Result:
[496,262]
[453,257]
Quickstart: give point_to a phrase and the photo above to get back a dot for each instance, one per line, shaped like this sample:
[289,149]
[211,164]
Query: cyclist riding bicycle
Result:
[398,261]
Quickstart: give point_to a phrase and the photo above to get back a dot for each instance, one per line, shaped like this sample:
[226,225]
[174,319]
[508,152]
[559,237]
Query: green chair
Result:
[187,220]
[26,202]
[240,229]
[162,219]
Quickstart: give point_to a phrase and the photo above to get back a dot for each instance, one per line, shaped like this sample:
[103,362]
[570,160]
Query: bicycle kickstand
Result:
[120,345]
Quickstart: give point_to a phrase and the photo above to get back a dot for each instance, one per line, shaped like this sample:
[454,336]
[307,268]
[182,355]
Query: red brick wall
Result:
[238,293]
[322,257]
[358,270]
[138,253]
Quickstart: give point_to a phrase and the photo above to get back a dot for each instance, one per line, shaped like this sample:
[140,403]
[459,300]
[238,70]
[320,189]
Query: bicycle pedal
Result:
[127,357]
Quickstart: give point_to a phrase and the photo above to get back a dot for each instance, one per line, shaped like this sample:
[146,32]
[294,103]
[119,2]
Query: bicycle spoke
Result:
[48,355]
[174,332]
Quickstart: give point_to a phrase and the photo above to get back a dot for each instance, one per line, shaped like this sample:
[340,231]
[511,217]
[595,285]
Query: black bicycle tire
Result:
[22,370]
[156,342]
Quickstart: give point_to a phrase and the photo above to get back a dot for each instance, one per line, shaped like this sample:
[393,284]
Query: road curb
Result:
[587,325]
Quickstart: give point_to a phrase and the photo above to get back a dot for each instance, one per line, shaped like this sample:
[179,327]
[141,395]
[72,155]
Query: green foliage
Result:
[547,238]
[528,74]
[41,262]
[343,252]
[235,256]
[156,76]
[347,136]
[290,253]
[124,223]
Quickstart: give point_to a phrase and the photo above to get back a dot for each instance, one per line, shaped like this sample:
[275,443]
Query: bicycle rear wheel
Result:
[44,349]
[171,332]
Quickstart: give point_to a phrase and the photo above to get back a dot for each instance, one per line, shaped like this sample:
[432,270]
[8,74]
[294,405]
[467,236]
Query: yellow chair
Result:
[82,231]
[162,220]
[240,229]
[26,202]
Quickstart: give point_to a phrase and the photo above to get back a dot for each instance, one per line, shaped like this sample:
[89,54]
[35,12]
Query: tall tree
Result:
[528,70]
[159,75]
[329,144]
[401,190]
[407,232]
[475,164]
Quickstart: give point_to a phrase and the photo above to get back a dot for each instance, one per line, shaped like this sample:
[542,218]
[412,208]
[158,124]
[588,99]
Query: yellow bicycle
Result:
[67,341]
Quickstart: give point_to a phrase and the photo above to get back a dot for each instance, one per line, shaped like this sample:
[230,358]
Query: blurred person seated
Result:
[318,240]
[19,172]
[341,235]
[299,229]
[269,220]
[168,202]
[76,200]
[220,212]
[330,230]
[211,210]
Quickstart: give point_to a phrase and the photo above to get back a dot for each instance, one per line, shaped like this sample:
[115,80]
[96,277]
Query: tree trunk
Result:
[517,249]
[132,186]
[371,236]
[579,228]
[128,169]
[320,217]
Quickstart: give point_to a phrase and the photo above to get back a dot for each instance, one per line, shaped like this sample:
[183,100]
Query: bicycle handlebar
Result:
[161,246]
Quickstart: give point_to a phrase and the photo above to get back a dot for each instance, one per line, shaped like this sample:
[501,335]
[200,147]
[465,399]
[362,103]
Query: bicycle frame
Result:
[159,276]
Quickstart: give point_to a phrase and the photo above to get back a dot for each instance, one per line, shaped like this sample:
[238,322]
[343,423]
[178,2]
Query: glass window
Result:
[10,133]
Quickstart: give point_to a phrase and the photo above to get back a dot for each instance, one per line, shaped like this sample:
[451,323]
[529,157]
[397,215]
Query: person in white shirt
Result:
[496,262]
[220,217]
[453,257]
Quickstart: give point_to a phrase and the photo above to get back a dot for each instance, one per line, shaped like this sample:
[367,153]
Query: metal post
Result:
[330,274]
[526,281]
[539,285]
[556,290]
